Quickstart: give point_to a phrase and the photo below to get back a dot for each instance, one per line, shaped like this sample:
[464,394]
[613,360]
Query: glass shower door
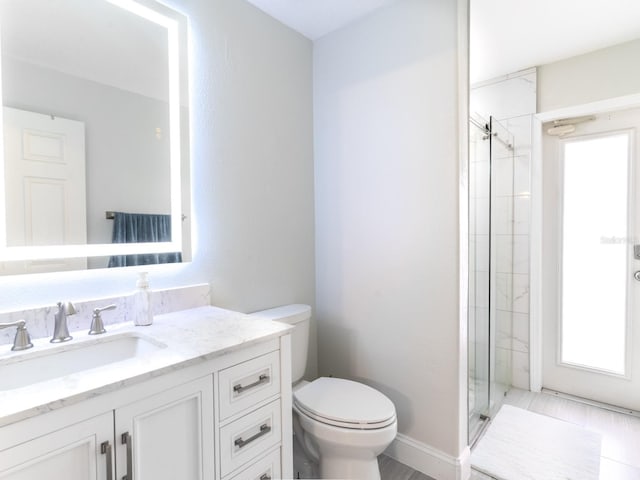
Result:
[490,263]
[479,274]
[501,259]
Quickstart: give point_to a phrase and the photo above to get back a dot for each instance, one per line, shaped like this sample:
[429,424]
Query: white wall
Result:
[251,129]
[386,165]
[607,73]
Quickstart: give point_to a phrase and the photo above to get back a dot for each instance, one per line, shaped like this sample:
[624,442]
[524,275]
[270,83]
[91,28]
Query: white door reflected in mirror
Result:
[45,186]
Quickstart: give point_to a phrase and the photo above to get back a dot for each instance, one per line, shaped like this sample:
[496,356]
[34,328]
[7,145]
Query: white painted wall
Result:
[251,129]
[607,73]
[386,165]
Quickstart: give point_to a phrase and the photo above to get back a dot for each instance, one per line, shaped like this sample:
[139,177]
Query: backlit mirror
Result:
[95,135]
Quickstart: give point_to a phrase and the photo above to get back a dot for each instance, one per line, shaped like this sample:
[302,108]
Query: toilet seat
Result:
[344,403]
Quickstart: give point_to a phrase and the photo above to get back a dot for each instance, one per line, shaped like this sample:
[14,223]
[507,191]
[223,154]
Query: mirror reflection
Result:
[87,124]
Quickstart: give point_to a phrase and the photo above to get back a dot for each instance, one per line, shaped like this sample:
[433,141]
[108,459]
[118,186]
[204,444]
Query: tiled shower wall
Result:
[511,100]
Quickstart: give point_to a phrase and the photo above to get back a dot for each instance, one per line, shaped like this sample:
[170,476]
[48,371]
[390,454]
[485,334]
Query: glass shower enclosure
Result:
[490,250]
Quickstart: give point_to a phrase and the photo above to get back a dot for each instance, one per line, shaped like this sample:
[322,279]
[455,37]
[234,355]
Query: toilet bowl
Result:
[345,425]
[342,425]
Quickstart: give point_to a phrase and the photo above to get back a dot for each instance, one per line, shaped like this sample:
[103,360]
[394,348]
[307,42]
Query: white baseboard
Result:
[430,461]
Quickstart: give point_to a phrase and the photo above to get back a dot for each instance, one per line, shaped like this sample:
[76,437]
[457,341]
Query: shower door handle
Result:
[636,275]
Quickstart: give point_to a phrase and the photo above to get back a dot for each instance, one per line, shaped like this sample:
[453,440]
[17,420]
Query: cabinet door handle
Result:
[265,476]
[241,443]
[126,440]
[105,449]
[239,388]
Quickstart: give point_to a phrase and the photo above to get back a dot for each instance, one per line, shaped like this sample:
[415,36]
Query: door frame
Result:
[535,257]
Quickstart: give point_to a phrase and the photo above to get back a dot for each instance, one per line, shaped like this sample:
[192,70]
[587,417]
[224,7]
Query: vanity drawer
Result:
[267,468]
[249,437]
[246,384]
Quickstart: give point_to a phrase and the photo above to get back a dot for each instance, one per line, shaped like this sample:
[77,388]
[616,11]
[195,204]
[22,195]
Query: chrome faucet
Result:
[61,329]
[22,340]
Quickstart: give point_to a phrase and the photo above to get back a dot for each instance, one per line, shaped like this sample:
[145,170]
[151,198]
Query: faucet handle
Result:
[97,325]
[22,340]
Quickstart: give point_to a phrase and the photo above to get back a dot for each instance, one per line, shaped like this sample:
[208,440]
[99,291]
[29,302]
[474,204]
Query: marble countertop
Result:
[184,337]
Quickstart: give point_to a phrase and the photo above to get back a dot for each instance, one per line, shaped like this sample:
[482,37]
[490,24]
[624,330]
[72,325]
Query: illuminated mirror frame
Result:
[176,34]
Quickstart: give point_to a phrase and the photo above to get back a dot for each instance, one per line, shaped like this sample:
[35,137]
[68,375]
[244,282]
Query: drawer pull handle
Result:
[239,388]
[105,449]
[265,476]
[125,439]
[241,443]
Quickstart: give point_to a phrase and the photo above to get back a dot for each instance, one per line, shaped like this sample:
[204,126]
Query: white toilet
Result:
[342,425]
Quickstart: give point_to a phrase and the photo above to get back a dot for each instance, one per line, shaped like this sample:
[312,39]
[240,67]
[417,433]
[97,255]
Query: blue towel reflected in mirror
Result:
[142,228]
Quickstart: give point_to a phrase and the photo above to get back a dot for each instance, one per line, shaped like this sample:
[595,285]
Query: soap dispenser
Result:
[142,302]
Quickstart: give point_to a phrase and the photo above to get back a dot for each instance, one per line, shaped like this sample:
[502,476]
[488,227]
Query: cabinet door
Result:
[72,453]
[167,436]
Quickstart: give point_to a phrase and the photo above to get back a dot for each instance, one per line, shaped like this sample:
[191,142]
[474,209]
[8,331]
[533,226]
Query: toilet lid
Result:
[345,403]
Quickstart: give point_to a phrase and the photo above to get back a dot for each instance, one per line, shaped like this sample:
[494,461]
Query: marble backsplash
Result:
[40,320]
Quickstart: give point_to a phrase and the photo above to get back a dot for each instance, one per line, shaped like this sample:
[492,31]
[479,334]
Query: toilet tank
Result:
[299,316]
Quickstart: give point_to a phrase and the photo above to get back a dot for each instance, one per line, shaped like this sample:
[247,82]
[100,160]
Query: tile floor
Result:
[620,455]
[391,469]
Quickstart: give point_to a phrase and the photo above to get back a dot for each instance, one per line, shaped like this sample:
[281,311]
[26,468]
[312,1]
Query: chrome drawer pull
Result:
[105,449]
[264,429]
[265,476]
[264,378]
[125,439]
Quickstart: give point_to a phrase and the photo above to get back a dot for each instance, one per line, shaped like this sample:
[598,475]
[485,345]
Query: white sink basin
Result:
[62,360]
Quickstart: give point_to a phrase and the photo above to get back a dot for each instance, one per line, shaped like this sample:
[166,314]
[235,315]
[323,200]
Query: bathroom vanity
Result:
[202,394]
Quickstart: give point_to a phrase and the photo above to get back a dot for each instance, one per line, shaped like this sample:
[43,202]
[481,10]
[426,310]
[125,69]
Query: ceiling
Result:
[315,18]
[510,35]
[506,35]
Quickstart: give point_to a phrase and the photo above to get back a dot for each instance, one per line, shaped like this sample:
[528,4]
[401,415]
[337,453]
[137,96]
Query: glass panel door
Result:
[594,252]
[479,273]
[591,298]
[490,240]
